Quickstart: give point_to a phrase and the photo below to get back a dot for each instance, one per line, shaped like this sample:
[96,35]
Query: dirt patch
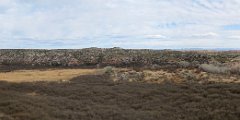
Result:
[96,97]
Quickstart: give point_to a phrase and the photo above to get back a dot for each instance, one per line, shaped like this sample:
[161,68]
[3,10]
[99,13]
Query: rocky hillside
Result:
[112,56]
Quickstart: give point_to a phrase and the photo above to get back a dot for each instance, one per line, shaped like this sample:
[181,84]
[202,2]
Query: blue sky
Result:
[154,24]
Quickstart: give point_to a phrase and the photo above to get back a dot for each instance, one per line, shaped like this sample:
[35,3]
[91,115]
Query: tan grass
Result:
[185,74]
[45,75]
[157,76]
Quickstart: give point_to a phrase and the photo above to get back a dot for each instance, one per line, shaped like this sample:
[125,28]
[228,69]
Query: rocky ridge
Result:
[112,56]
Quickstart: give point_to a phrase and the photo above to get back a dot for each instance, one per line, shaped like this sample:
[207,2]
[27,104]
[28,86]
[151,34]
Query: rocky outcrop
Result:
[105,57]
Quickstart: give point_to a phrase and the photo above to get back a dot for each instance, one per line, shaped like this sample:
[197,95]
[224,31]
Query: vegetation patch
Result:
[97,97]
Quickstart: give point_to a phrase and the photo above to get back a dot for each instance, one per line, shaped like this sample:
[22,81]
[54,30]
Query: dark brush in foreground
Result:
[96,97]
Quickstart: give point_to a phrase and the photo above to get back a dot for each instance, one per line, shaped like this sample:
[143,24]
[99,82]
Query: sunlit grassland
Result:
[45,75]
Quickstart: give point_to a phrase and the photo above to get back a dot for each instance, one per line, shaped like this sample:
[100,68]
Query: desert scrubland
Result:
[119,84]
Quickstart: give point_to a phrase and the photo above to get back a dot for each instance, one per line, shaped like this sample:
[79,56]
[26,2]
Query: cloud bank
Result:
[155,24]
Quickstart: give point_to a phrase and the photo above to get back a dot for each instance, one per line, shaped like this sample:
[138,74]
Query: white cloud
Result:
[234,37]
[81,21]
[155,36]
[206,35]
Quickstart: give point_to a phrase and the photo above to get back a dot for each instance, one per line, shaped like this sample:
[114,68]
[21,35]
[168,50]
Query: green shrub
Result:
[108,70]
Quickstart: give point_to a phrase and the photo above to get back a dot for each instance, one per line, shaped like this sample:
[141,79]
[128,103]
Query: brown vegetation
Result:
[141,84]
[95,97]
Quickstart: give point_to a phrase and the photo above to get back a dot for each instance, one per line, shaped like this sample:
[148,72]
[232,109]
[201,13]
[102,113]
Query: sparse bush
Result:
[184,64]
[108,70]
[235,68]
[190,77]
[155,67]
[121,77]
[214,69]
[129,76]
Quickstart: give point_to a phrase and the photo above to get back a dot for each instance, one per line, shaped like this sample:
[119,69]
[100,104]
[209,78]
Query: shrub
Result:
[195,63]
[108,70]
[184,64]
[235,68]
[155,67]
[130,76]
[214,69]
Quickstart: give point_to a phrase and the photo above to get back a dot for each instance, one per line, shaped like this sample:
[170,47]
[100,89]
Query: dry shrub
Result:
[235,68]
[214,69]
[108,70]
[126,75]
[157,76]
[94,97]
[189,76]
[155,67]
[184,64]
[131,76]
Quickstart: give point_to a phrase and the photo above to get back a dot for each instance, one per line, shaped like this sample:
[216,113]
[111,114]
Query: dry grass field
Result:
[44,75]
[148,76]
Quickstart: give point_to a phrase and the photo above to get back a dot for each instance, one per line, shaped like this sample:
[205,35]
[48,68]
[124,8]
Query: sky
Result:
[150,24]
